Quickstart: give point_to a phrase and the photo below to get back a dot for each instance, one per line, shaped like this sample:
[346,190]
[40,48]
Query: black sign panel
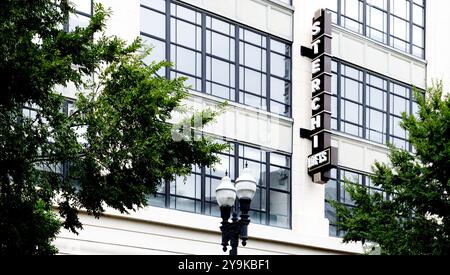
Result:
[321,46]
[321,122]
[321,65]
[321,140]
[323,156]
[321,84]
[321,103]
[322,161]
[321,24]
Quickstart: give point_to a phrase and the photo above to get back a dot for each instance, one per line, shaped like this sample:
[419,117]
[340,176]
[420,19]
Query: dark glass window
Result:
[31,113]
[219,57]
[272,171]
[370,106]
[334,191]
[397,23]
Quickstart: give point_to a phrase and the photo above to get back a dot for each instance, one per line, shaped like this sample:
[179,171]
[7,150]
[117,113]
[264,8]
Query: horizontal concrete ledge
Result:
[207,224]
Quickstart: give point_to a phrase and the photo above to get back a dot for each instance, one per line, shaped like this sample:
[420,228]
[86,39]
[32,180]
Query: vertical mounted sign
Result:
[324,157]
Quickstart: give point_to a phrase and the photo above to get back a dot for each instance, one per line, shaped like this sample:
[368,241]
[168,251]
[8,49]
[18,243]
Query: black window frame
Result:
[339,195]
[264,212]
[67,26]
[338,120]
[339,18]
[267,101]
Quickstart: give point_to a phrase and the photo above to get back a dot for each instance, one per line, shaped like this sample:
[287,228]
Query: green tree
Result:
[416,220]
[112,151]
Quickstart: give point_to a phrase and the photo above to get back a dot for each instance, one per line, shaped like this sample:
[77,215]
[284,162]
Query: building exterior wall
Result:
[165,231]
[437,40]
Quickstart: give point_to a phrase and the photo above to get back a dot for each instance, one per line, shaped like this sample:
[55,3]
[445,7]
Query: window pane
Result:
[280,160]
[397,130]
[352,112]
[78,20]
[399,105]
[400,90]
[377,19]
[153,23]
[279,90]
[212,209]
[187,61]
[158,52]
[252,100]
[222,26]
[352,89]
[259,201]
[157,200]
[252,153]
[331,190]
[418,36]
[186,186]
[185,204]
[352,11]
[225,164]
[82,5]
[400,8]
[378,3]
[280,178]
[279,209]
[258,171]
[220,45]
[377,98]
[419,52]
[184,13]
[190,82]
[377,25]
[377,82]
[210,188]
[280,47]
[400,143]
[280,65]
[220,71]
[254,57]
[281,109]
[221,91]
[418,15]
[330,213]
[376,120]
[254,82]
[400,28]
[185,34]
[253,38]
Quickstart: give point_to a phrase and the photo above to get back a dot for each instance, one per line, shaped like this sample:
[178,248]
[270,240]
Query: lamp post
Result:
[226,193]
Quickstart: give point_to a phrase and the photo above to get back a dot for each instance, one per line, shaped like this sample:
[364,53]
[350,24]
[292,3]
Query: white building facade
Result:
[247,52]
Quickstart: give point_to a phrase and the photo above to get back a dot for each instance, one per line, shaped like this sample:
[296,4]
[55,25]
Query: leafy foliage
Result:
[416,220]
[112,151]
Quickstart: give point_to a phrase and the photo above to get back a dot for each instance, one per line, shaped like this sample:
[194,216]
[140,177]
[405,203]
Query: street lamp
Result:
[226,195]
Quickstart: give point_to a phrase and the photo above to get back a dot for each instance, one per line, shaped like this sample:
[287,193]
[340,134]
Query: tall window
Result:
[397,23]
[370,106]
[334,191]
[219,57]
[196,193]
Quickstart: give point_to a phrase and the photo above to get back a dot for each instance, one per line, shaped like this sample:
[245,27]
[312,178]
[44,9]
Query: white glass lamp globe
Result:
[226,192]
[246,185]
